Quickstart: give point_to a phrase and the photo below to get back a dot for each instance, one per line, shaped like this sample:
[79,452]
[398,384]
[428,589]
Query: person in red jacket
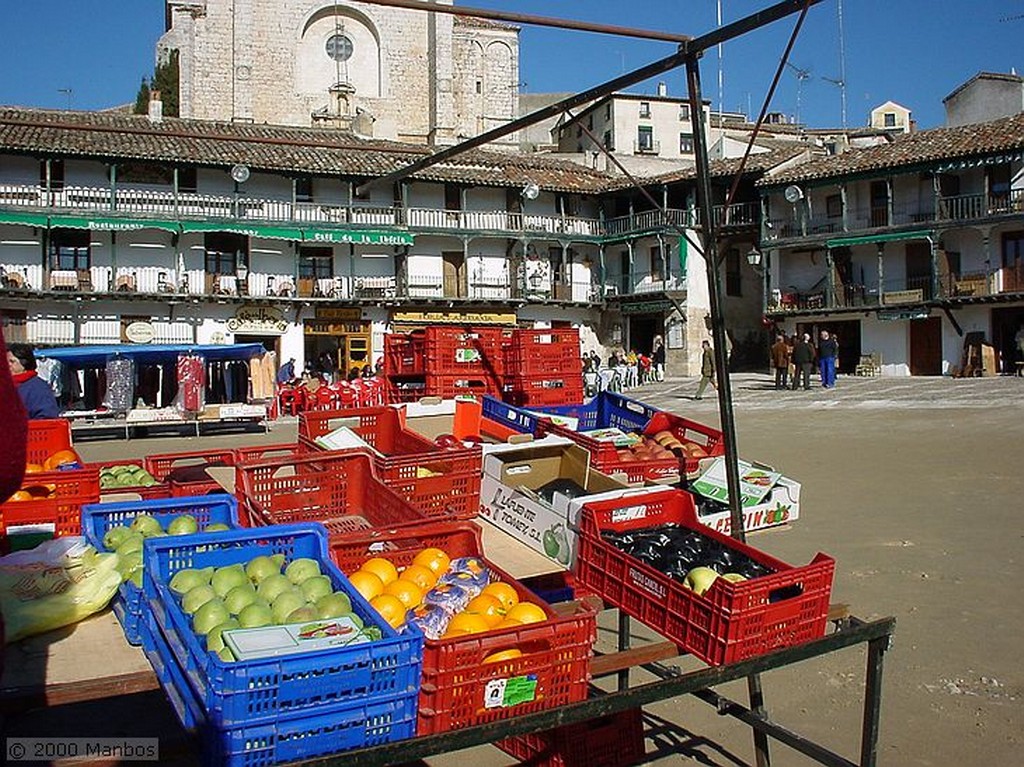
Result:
[12,445]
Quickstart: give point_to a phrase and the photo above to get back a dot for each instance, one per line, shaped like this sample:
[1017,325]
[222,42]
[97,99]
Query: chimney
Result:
[156,107]
[662,89]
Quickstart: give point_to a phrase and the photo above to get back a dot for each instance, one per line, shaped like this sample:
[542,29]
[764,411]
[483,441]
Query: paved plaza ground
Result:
[915,486]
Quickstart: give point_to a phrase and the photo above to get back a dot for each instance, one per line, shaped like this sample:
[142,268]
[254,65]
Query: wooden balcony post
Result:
[113,186]
[846,207]
[881,271]
[830,279]
[936,284]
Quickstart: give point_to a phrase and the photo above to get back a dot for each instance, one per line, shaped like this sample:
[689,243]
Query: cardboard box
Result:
[509,500]
[768,498]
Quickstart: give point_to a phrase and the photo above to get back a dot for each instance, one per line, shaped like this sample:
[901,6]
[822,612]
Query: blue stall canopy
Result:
[95,356]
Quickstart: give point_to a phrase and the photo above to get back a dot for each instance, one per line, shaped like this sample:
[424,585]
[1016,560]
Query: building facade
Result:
[256,233]
[393,73]
[906,251]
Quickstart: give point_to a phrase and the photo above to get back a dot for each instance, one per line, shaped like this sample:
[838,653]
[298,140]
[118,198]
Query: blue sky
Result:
[911,51]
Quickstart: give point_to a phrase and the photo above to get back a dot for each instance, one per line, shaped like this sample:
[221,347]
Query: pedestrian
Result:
[780,361]
[828,350]
[803,358]
[286,374]
[658,359]
[595,361]
[707,370]
[36,395]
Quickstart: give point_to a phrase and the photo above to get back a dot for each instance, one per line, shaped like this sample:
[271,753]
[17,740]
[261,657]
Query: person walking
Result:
[707,370]
[658,359]
[780,361]
[803,358]
[828,350]
[36,395]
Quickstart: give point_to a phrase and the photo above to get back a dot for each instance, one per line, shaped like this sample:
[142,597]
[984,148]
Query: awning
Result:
[358,236]
[841,242]
[26,219]
[86,356]
[107,224]
[250,230]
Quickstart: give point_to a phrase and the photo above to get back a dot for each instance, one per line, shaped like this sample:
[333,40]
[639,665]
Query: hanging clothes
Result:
[191,375]
[120,385]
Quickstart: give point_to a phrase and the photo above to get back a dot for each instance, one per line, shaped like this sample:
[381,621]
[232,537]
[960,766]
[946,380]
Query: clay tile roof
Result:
[756,163]
[913,150]
[474,21]
[113,137]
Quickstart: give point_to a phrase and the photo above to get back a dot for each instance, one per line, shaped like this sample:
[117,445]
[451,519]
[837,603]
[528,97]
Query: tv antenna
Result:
[802,75]
[69,92]
[840,82]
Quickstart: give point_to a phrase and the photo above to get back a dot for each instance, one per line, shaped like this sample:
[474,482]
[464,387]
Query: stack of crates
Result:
[445,362]
[543,367]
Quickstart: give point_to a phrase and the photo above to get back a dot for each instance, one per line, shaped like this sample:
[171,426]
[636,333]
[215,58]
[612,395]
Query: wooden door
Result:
[926,347]
[454,264]
[919,268]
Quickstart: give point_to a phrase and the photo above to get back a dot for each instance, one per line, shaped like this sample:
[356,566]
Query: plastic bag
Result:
[56,584]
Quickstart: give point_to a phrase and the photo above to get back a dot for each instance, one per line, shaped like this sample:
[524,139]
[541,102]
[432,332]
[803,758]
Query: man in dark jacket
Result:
[828,350]
[803,358]
[36,395]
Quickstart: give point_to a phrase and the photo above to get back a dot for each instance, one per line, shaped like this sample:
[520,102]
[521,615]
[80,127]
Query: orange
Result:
[407,592]
[21,495]
[382,568]
[60,458]
[526,612]
[422,576]
[468,623]
[390,609]
[367,584]
[509,624]
[33,468]
[504,593]
[486,606]
[502,655]
[433,558]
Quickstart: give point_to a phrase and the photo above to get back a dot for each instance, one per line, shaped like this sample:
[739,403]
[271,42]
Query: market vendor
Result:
[36,395]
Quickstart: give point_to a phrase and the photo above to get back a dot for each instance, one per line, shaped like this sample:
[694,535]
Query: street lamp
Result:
[755,259]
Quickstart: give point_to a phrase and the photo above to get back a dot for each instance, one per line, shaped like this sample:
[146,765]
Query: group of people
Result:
[798,354]
[312,379]
[626,370]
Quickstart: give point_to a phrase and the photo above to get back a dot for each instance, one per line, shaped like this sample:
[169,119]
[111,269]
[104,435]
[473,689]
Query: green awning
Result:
[108,224]
[867,239]
[19,217]
[250,230]
[359,236]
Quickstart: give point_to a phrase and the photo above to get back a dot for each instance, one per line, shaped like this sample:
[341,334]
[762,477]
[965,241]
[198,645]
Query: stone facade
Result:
[406,75]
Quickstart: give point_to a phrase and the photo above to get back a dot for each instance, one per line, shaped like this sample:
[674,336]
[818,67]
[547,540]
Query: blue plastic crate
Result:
[98,518]
[607,409]
[265,689]
[300,736]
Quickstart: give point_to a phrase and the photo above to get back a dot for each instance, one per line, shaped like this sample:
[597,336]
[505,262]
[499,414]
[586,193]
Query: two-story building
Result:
[211,232]
[903,249]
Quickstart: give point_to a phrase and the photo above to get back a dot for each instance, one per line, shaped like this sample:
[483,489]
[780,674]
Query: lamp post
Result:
[761,265]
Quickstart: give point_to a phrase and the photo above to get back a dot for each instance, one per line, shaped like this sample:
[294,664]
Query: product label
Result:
[647,583]
[467,355]
[504,693]
[629,513]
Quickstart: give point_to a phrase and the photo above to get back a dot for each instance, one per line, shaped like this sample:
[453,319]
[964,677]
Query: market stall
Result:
[131,389]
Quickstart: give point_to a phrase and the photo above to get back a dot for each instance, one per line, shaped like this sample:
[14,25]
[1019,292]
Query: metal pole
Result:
[732,471]
[872,701]
[623,645]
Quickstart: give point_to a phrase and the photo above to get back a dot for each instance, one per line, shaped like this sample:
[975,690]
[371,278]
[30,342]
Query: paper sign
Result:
[755,483]
[504,693]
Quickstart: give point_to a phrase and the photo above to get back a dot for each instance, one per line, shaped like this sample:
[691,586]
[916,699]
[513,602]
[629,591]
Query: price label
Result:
[504,693]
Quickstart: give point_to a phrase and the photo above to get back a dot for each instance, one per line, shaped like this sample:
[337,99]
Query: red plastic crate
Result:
[728,623]
[689,433]
[544,352]
[540,390]
[455,678]
[152,492]
[450,386]
[62,509]
[383,428]
[161,466]
[465,351]
[265,452]
[399,390]
[405,353]
[616,740]
[337,489]
[46,437]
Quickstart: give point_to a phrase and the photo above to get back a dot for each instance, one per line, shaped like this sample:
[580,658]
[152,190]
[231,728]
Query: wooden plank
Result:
[18,699]
[603,665]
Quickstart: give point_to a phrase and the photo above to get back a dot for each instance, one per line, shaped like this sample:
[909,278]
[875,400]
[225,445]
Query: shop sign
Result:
[903,297]
[335,313]
[358,237]
[140,332]
[645,307]
[258,320]
[891,316]
[327,328]
[462,318]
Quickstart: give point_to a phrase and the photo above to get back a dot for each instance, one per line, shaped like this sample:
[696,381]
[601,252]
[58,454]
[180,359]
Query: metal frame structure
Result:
[877,635]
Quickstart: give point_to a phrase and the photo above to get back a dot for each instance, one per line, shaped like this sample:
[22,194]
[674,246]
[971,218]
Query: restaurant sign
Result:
[258,320]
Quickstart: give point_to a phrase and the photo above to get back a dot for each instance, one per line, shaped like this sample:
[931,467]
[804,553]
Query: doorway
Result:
[926,347]
[1006,324]
[919,268]
[848,334]
[642,330]
[454,266]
